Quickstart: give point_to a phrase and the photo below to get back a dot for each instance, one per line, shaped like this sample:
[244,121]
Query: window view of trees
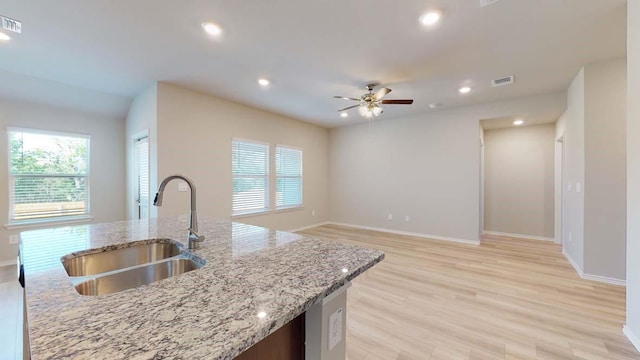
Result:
[48,174]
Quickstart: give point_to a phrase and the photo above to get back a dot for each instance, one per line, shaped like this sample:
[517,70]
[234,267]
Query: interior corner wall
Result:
[195,131]
[574,155]
[633,172]
[107,173]
[519,180]
[426,167]
[142,118]
[605,184]
[560,128]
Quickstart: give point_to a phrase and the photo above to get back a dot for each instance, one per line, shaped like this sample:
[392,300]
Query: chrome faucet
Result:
[194,238]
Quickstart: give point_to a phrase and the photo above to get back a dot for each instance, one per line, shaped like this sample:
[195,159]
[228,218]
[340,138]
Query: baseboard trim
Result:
[519,236]
[583,275]
[407,233]
[631,336]
[604,279]
[8,263]
[309,227]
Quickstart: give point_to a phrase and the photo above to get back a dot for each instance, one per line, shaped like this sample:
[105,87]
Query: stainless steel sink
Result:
[97,263]
[138,276]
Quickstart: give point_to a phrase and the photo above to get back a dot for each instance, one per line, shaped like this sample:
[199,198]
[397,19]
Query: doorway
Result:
[141,178]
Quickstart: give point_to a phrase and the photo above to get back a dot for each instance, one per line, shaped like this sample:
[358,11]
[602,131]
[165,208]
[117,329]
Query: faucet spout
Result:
[194,237]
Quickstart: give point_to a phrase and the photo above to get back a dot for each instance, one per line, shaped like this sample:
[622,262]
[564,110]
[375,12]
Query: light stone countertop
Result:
[209,313]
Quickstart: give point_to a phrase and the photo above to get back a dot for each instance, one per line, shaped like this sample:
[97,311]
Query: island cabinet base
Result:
[287,343]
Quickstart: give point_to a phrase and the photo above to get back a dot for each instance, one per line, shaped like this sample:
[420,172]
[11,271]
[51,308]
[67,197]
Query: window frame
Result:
[27,223]
[267,191]
[276,177]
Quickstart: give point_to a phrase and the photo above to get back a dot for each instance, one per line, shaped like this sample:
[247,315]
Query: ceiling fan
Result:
[369,103]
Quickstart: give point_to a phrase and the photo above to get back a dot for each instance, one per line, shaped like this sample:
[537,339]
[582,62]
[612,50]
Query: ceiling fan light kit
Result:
[369,103]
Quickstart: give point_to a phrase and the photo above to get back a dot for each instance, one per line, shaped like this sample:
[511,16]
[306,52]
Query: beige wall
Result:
[425,166]
[605,169]
[194,139]
[633,171]
[107,191]
[519,176]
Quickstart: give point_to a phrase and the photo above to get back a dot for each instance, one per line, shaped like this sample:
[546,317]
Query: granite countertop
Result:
[209,313]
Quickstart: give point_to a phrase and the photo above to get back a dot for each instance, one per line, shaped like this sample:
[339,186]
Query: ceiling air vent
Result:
[484,3]
[502,81]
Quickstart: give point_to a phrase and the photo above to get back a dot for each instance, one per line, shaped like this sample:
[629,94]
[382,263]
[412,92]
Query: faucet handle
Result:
[194,236]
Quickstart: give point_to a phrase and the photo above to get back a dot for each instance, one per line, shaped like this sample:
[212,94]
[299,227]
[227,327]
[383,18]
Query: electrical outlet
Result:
[313,213]
[390,217]
[182,186]
[14,239]
[407,218]
[335,328]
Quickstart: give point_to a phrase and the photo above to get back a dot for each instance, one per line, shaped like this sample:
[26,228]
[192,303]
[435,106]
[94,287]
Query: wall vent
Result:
[484,3]
[502,81]
[11,25]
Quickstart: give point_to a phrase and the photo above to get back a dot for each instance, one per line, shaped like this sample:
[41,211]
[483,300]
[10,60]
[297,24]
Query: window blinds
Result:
[288,177]
[250,167]
[48,175]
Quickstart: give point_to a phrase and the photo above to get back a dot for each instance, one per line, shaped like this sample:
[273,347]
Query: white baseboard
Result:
[407,233]
[631,336]
[309,227]
[8,263]
[581,273]
[518,236]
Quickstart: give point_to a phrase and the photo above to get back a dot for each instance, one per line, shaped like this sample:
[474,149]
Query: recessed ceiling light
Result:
[263,82]
[518,122]
[464,90]
[343,114]
[435,105]
[4,37]
[430,18]
[211,28]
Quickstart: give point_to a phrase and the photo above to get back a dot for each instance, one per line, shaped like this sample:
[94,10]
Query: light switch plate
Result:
[335,328]
[14,239]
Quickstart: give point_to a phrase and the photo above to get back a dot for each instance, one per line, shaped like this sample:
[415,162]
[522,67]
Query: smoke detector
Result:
[508,80]
[484,3]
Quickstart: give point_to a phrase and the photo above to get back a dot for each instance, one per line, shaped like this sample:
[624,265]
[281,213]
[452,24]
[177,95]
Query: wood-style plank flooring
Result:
[505,299]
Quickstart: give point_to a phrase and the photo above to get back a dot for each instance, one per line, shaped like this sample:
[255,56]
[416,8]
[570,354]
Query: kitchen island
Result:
[254,281]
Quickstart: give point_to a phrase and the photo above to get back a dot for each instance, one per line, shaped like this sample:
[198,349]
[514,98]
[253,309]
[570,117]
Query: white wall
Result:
[194,139]
[106,164]
[605,184]
[633,171]
[425,166]
[142,118]
[519,180]
[573,120]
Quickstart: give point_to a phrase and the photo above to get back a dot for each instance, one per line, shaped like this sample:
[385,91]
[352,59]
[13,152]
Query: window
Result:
[288,177]
[48,175]
[141,146]
[250,167]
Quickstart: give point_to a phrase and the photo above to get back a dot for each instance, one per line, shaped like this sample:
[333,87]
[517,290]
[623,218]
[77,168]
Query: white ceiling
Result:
[546,116]
[312,50]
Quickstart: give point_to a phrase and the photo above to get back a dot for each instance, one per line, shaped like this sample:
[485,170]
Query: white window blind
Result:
[288,177]
[250,165]
[48,175]
[142,181]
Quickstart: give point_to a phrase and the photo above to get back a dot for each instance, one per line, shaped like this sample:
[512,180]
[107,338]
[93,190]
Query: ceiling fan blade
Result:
[350,107]
[397,102]
[346,98]
[382,92]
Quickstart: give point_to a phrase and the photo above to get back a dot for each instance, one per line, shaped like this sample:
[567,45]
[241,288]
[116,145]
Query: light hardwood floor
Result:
[505,299]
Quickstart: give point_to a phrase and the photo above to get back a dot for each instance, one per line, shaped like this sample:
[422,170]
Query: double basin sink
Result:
[106,271]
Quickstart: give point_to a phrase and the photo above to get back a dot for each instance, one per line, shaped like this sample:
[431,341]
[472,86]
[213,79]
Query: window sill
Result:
[250,213]
[48,222]
[289,208]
